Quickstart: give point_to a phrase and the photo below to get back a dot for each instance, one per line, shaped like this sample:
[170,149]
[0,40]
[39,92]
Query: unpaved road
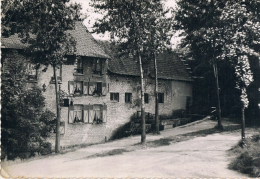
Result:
[198,157]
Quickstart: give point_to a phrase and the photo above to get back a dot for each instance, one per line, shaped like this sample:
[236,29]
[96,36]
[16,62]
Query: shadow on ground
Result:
[163,141]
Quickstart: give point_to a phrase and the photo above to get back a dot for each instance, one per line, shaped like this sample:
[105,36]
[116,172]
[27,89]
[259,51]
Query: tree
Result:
[25,124]
[140,29]
[241,41]
[159,27]
[43,24]
[124,20]
[223,31]
[203,34]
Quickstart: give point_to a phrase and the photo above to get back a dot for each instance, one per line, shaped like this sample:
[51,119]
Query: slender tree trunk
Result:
[57,141]
[143,135]
[220,126]
[157,124]
[215,68]
[243,124]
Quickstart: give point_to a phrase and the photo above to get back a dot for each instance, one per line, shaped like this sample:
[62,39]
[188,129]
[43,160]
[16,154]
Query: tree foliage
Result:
[25,123]
[222,32]
[42,25]
[241,40]
[139,27]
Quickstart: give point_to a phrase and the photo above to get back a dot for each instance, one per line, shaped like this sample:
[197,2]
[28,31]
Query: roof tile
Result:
[86,45]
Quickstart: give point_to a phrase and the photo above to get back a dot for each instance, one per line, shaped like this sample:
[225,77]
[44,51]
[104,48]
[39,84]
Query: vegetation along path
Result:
[194,150]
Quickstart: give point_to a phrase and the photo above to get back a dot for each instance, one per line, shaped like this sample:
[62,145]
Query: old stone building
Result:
[101,92]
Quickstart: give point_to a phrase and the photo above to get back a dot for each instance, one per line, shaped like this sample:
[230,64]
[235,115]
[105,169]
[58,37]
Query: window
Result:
[76,114]
[146,98]
[78,66]
[95,88]
[59,74]
[97,118]
[96,113]
[87,88]
[98,88]
[97,67]
[114,97]
[160,97]
[78,87]
[128,97]
[32,72]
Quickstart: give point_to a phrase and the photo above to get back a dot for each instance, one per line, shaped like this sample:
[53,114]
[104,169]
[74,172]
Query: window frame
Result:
[128,98]
[78,66]
[160,98]
[97,62]
[88,113]
[59,76]
[72,111]
[82,86]
[114,96]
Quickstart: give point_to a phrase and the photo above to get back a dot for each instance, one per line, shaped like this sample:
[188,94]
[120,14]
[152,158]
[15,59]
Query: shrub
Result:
[248,157]
[25,123]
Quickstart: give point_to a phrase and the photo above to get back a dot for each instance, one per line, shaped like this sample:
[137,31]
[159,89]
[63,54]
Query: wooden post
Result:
[157,124]
[57,140]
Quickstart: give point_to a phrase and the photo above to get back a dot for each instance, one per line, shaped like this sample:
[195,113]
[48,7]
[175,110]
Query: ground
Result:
[194,150]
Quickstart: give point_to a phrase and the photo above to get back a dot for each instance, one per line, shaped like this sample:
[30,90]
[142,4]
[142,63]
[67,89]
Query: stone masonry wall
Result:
[118,113]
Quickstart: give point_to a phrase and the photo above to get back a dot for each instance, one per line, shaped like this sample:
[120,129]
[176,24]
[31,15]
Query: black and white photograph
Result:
[130,89]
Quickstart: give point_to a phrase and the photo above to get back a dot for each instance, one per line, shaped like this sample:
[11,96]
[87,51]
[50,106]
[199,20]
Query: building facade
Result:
[100,93]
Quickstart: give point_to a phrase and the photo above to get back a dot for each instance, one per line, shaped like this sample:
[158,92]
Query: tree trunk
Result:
[143,135]
[157,123]
[220,126]
[57,141]
[243,124]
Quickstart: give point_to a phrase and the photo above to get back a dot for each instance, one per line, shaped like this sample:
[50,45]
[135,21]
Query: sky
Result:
[92,16]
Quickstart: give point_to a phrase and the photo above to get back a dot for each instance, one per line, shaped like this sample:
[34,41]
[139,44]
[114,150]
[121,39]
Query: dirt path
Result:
[194,157]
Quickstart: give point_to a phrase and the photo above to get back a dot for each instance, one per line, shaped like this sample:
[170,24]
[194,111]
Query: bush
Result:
[248,157]
[25,123]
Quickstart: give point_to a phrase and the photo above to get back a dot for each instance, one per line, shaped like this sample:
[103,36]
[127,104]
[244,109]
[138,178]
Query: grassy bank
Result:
[247,158]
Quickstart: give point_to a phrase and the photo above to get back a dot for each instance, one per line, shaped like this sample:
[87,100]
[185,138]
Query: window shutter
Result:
[71,114]
[91,114]
[104,113]
[91,88]
[85,88]
[71,87]
[85,113]
[104,89]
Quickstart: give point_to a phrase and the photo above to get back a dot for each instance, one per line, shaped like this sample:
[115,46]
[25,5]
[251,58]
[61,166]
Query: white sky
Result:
[89,11]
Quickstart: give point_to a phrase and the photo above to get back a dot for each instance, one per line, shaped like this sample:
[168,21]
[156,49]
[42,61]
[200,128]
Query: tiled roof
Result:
[12,42]
[169,65]
[86,45]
